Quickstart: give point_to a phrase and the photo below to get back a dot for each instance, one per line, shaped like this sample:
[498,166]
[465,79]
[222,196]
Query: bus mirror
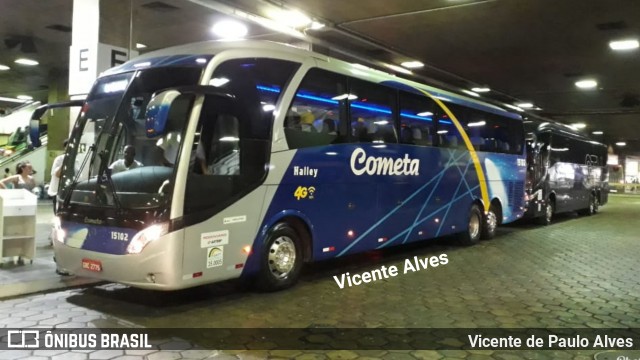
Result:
[158,112]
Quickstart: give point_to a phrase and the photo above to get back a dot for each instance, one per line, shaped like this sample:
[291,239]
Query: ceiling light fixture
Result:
[28,62]
[24,97]
[140,46]
[4,67]
[621,143]
[469,92]
[579,126]
[291,18]
[525,105]
[229,29]
[480,89]
[412,64]
[315,25]
[586,84]
[597,132]
[623,45]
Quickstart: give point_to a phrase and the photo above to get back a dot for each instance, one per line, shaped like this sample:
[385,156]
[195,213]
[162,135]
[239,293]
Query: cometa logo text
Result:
[362,164]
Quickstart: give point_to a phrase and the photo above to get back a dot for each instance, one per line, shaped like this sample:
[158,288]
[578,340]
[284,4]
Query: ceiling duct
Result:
[26,43]
[630,100]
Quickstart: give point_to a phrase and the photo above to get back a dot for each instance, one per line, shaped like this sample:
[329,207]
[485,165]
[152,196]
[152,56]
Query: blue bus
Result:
[252,158]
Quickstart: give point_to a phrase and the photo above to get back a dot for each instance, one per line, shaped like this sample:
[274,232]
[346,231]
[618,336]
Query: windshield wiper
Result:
[105,173]
[74,181]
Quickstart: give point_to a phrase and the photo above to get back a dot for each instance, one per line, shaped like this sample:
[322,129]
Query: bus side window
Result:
[417,126]
[314,117]
[372,118]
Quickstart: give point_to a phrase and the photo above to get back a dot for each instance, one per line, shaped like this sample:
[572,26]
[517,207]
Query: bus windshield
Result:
[111,162]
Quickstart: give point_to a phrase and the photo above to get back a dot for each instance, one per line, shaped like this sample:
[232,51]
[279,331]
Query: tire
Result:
[592,208]
[489,224]
[474,227]
[281,259]
[549,210]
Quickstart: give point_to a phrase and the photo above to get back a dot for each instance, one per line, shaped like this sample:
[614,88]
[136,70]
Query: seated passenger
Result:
[306,122]
[129,162]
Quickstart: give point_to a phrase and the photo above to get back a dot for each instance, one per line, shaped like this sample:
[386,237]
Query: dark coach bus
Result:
[566,171]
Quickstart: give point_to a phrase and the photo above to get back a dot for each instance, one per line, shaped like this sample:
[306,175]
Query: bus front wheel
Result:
[545,219]
[474,228]
[281,259]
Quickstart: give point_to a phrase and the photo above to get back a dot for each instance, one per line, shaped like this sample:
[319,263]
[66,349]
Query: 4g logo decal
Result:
[304,192]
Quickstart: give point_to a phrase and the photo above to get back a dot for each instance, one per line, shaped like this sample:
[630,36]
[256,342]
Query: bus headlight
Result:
[144,237]
[58,233]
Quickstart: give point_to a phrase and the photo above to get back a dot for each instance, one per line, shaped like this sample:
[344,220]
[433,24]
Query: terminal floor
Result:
[580,272]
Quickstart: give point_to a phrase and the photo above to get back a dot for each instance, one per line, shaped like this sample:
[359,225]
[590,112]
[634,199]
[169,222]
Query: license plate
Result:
[91,265]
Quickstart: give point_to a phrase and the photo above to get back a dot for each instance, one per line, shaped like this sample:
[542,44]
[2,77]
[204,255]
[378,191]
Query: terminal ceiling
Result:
[525,50]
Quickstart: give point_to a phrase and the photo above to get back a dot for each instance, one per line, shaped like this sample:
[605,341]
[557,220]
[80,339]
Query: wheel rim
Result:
[492,222]
[282,256]
[474,226]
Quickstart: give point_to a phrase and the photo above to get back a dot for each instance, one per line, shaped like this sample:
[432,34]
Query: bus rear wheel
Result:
[281,259]
[490,224]
[474,227]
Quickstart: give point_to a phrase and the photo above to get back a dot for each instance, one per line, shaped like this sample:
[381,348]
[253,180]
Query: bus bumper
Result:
[153,268]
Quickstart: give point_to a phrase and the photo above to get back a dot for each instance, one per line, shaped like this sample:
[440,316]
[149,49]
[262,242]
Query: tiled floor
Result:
[40,275]
[580,272]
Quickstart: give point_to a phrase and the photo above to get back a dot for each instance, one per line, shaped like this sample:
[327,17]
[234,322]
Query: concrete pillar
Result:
[56,120]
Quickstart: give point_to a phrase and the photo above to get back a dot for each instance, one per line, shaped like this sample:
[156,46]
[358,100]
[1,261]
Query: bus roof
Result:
[190,53]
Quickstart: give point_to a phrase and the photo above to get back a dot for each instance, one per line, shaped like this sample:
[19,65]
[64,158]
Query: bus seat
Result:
[452,141]
[406,136]
[477,142]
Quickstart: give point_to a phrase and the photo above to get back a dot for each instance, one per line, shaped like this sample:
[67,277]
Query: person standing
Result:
[56,172]
[23,178]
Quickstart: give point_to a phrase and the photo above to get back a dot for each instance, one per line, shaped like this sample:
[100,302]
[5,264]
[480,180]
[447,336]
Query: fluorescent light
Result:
[24,97]
[228,29]
[291,18]
[398,69]
[4,67]
[525,105]
[316,25]
[586,84]
[468,92]
[412,64]
[11,99]
[140,46]
[425,113]
[597,132]
[442,131]
[217,82]
[579,126]
[477,123]
[344,96]
[621,143]
[78,97]
[268,107]
[28,62]
[621,45]
[480,89]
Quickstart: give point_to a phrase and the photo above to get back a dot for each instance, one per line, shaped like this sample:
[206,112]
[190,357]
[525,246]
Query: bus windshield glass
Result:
[111,161]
